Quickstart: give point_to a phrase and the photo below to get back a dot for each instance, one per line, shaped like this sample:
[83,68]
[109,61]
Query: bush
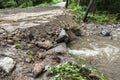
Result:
[7,3]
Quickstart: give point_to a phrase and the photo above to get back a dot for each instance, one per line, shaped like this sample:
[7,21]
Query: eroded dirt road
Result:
[26,36]
[21,19]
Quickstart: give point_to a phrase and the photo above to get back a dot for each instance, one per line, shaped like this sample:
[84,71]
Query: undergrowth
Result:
[48,4]
[97,17]
[71,71]
[26,3]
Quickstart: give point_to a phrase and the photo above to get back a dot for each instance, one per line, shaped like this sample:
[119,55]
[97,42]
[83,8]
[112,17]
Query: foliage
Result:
[99,16]
[47,4]
[71,71]
[104,5]
[25,3]
[106,11]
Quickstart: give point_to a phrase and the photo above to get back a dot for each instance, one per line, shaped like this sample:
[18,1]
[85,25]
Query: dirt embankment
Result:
[26,39]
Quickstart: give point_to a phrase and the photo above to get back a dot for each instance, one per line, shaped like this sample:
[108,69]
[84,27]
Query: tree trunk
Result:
[88,9]
[67,2]
[79,2]
[93,7]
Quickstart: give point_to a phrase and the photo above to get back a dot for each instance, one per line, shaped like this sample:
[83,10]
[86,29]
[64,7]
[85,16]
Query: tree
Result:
[90,5]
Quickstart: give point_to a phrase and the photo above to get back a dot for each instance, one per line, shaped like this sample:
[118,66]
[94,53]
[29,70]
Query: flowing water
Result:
[99,52]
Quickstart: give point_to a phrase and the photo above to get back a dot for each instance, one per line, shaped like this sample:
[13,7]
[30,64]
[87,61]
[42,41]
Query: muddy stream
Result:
[100,53]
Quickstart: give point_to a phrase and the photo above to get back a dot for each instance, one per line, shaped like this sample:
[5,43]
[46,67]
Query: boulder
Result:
[105,32]
[61,48]
[38,69]
[10,42]
[63,37]
[7,64]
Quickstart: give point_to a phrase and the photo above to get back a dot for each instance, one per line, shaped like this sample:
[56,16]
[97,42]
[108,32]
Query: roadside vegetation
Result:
[26,3]
[71,71]
[108,13]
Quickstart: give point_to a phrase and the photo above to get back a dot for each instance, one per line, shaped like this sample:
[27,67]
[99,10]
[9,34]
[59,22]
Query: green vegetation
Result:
[17,46]
[48,4]
[71,71]
[100,17]
[103,13]
[26,3]
[102,5]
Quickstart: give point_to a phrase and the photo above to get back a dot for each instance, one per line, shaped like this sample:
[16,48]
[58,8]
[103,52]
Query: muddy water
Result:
[99,52]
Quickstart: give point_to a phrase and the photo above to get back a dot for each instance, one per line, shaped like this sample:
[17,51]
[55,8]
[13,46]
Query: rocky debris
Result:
[28,60]
[45,44]
[63,37]
[38,69]
[11,42]
[41,55]
[47,67]
[110,37]
[7,64]
[105,32]
[36,40]
[2,30]
[61,48]
[20,76]
[8,51]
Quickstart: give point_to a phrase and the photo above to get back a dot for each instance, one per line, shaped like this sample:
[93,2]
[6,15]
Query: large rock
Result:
[61,48]
[105,32]
[10,42]
[7,64]
[38,69]
[63,37]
